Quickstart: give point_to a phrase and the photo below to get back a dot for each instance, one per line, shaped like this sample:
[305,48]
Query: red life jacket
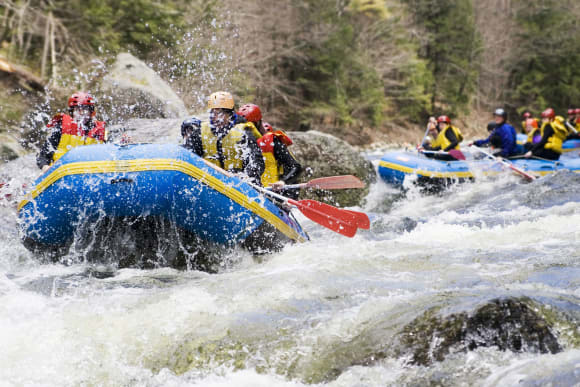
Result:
[72,135]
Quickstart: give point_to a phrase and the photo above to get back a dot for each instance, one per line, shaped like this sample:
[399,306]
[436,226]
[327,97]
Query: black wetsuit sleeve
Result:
[193,142]
[291,166]
[44,156]
[253,160]
[450,135]
[548,132]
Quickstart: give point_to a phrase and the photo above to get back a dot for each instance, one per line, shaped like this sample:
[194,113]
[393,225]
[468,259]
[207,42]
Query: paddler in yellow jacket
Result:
[447,137]
[553,134]
[281,166]
[225,141]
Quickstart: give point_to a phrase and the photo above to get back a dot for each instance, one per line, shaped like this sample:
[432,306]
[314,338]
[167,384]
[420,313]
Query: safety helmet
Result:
[491,126]
[220,100]
[267,127]
[548,113]
[571,112]
[500,113]
[577,111]
[527,115]
[560,119]
[443,119]
[81,99]
[532,122]
[192,123]
[250,112]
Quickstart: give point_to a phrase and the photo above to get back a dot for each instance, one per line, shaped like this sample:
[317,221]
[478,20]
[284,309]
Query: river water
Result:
[311,314]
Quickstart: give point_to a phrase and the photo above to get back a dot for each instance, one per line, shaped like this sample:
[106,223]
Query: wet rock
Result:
[507,324]
[10,149]
[324,155]
[133,90]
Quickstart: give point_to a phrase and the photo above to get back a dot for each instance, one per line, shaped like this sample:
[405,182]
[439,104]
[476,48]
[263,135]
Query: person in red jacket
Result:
[71,130]
[281,166]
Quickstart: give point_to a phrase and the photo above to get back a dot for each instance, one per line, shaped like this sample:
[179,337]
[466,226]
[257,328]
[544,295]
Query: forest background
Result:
[364,70]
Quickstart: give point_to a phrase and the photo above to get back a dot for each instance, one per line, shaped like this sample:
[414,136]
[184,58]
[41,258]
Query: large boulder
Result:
[507,324]
[324,155]
[133,90]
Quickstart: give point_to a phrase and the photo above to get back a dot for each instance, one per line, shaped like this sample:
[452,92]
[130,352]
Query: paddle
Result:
[509,165]
[573,129]
[455,153]
[344,222]
[331,182]
[341,221]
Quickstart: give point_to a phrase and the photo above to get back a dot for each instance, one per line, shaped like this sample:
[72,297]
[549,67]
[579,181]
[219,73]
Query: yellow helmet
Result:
[221,100]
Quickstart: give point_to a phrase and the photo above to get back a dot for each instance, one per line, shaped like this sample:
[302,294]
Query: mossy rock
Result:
[323,155]
[507,324]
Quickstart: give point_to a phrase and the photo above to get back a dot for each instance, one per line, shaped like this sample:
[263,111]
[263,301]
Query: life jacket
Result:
[72,136]
[555,141]
[442,142]
[224,152]
[273,169]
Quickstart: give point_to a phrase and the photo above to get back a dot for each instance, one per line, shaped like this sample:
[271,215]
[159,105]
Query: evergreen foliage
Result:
[546,72]
[450,44]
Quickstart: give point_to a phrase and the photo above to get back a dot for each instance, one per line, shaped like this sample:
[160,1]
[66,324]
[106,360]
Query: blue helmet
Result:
[193,123]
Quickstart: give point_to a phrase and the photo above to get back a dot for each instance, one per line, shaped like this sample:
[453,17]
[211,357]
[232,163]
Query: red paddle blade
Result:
[361,219]
[336,182]
[457,154]
[327,216]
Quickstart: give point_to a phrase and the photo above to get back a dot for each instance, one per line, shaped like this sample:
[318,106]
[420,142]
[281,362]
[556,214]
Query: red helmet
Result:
[577,111]
[548,113]
[444,119]
[268,127]
[250,112]
[571,112]
[81,99]
[527,115]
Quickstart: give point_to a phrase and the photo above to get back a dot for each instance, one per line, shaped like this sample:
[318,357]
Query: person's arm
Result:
[253,160]
[548,132]
[485,141]
[291,166]
[450,135]
[44,156]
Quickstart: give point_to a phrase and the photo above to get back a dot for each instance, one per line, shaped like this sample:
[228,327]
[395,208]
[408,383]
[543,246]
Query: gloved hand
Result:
[277,186]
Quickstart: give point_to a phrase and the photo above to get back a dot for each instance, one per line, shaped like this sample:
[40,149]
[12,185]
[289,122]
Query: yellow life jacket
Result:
[73,136]
[442,142]
[556,140]
[230,157]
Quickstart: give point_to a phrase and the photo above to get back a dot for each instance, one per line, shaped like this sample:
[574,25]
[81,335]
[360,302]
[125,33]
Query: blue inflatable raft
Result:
[144,190]
[395,166]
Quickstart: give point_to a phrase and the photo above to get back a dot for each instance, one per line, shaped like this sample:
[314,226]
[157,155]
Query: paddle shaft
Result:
[331,182]
[510,166]
[573,129]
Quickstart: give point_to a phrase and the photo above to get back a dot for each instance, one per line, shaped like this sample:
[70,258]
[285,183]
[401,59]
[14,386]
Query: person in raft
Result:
[71,130]
[447,137]
[225,140]
[502,138]
[553,133]
[281,166]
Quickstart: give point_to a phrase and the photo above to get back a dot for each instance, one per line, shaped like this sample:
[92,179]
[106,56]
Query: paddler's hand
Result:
[277,186]
[528,154]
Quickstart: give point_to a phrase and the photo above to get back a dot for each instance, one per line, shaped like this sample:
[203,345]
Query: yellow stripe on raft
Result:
[93,167]
[422,172]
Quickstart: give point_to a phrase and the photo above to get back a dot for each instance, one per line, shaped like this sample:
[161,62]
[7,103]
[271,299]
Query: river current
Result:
[312,313]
